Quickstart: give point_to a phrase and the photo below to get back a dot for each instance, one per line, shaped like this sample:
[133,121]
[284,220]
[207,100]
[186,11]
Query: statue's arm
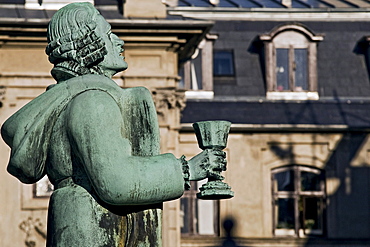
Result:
[94,124]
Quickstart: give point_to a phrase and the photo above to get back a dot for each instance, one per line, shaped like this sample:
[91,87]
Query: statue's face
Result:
[113,61]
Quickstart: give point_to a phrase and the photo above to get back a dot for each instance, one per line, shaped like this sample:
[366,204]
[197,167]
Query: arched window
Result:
[298,194]
[290,60]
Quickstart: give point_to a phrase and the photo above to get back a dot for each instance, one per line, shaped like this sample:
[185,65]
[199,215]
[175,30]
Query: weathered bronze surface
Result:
[213,135]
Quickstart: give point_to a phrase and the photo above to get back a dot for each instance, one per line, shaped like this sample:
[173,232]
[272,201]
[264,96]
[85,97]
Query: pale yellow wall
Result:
[24,71]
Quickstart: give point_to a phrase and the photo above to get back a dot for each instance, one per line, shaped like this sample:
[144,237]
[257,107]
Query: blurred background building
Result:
[291,75]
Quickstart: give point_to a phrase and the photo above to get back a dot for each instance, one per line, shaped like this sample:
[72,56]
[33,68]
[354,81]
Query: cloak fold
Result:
[28,131]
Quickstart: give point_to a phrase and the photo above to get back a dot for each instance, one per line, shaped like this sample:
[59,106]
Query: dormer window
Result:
[290,57]
[197,73]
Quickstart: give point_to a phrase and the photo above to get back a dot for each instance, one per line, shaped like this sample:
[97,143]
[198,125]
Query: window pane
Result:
[196,72]
[313,215]
[310,181]
[282,69]
[182,78]
[223,63]
[206,214]
[185,215]
[285,180]
[285,213]
[300,67]
[43,188]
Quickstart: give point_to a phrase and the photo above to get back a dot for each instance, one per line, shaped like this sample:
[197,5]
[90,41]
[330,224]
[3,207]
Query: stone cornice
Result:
[272,14]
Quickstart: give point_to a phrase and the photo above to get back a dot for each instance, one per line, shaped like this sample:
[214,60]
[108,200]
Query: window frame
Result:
[192,218]
[297,195]
[232,62]
[201,87]
[296,37]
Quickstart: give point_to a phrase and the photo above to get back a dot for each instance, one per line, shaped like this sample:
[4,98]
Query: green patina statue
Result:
[98,143]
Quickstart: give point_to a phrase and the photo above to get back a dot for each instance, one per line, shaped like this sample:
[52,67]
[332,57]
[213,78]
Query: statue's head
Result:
[81,42]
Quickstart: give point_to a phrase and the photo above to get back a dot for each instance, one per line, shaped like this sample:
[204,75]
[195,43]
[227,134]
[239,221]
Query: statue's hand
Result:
[207,164]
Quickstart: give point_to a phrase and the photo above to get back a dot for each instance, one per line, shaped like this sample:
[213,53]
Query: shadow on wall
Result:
[256,47]
[362,48]
[228,227]
[347,213]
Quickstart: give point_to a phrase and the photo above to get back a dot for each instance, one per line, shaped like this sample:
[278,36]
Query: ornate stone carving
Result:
[34,229]
[166,100]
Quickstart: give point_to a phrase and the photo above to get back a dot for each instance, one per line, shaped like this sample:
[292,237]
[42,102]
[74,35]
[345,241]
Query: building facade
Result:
[293,78]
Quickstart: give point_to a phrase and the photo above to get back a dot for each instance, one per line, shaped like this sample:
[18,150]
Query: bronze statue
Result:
[98,143]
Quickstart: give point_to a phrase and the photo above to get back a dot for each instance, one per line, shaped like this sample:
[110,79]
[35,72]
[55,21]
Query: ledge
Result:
[292,95]
[199,94]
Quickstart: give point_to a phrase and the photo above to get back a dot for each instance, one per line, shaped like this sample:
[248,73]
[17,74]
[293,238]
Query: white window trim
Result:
[292,95]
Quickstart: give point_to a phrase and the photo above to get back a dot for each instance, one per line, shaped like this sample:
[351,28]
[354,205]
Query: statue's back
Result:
[77,217]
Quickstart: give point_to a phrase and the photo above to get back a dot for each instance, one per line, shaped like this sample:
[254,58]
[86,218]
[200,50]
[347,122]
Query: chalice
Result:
[213,135]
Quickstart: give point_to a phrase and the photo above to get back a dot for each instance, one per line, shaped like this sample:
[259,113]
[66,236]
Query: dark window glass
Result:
[300,69]
[285,180]
[285,213]
[282,69]
[291,69]
[223,63]
[310,181]
[312,214]
[185,208]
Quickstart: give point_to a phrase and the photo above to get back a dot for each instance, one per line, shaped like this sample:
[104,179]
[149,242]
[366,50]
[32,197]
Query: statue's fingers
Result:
[223,166]
[218,153]
[221,160]
[215,175]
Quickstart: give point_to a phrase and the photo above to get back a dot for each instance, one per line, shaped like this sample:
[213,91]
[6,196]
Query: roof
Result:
[19,23]
[305,4]
[20,13]
[277,10]
[350,114]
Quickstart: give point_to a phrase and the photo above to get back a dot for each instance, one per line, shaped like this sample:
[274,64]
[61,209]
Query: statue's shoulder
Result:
[136,95]
[137,91]
[91,81]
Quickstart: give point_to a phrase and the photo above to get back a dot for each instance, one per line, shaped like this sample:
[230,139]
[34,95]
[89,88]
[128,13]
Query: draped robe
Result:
[41,143]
